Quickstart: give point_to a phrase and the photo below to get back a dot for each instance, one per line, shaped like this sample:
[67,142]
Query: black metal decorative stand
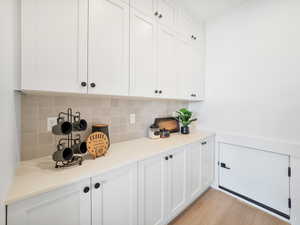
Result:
[65,156]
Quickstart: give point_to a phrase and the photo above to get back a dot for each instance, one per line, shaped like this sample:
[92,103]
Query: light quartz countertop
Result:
[39,176]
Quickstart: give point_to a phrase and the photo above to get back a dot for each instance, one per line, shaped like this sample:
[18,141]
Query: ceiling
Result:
[207,9]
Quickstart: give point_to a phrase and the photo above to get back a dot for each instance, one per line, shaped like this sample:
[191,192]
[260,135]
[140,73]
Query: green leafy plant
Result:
[184,117]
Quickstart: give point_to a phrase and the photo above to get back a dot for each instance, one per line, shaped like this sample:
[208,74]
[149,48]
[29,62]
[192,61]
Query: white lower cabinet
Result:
[149,192]
[208,162]
[175,198]
[114,197]
[152,181]
[69,205]
[194,171]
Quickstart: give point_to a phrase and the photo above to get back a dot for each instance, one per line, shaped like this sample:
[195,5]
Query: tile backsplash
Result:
[37,142]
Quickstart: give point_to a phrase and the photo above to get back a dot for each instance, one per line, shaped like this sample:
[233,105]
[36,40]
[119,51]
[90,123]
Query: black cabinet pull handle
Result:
[97,185]
[160,16]
[166,158]
[156,91]
[160,92]
[93,85]
[223,165]
[86,189]
[171,156]
[204,143]
[156,14]
[83,84]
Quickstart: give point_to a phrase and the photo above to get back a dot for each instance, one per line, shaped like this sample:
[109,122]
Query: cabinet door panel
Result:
[168,11]
[207,163]
[256,174]
[183,68]
[115,202]
[68,206]
[109,47]
[54,45]
[167,78]
[147,7]
[194,171]
[143,55]
[151,191]
[197,74]
[177,183]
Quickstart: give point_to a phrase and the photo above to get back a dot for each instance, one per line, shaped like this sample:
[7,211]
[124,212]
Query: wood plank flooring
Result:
[217,208]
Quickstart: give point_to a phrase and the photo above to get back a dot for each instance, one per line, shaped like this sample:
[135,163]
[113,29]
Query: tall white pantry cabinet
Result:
[152,191]
[111,47]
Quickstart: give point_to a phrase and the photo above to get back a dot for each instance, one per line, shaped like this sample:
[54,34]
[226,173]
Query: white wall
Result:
[253,71]
[9,101]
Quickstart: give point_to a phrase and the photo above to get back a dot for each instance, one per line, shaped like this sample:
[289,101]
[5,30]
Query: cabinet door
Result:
[208,163]
[143,79]
[115,199]
[176,194]
[152,180]
[68,206]
[146,7]
[167,12]
[256,174]
[167,78]
[198,79]
[54,45]
[108,47]
[184,68]
[194,174]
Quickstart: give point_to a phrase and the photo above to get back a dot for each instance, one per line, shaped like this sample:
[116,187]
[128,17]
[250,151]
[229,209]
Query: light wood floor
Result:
[217,208]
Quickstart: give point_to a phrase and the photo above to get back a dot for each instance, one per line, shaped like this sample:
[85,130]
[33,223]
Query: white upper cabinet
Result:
[183,68]
[197,75]
[111,47]
[108,49]
[114,197]
[166,74]
[143,79]
[166,12]
[69,205]
[54,45]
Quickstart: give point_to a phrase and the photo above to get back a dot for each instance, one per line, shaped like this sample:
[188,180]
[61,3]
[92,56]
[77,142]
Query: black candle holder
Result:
[69,149]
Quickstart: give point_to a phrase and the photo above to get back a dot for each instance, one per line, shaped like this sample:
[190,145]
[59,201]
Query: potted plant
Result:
[184,117]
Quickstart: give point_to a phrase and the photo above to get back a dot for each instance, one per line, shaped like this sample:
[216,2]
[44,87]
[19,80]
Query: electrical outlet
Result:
[51,121]
[132,118]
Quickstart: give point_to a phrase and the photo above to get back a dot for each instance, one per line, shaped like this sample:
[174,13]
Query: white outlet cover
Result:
[132,118]
[51,121]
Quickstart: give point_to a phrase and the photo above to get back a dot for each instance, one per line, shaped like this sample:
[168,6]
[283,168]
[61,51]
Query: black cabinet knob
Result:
[171,156]
[156,14]
[97,185]
[83,84]
[166,158]
[204,143]
[86,189]
[160,92]
[160,16]
[156,91]
[93,85]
